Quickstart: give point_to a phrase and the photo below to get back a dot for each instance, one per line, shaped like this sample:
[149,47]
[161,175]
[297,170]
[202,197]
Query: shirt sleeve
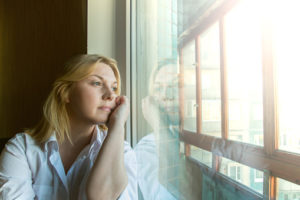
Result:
[130,192]
[15,174]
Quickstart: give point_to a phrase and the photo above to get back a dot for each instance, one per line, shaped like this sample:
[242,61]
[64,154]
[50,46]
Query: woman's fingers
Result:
[118,100]
[121,111]
[121,100]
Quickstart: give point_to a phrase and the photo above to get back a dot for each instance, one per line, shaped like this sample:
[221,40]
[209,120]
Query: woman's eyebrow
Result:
[101,78]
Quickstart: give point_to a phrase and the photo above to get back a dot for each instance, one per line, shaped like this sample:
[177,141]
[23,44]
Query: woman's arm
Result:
[108,177]
[15,173]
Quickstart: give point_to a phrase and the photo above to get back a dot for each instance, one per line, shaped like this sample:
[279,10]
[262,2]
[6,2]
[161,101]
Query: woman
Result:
[77,151]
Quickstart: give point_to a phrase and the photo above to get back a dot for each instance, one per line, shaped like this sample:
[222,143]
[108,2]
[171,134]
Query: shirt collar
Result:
[96,141]
[51,143]
[97,138]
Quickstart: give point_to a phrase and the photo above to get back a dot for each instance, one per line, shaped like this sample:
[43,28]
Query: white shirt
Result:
[29,170]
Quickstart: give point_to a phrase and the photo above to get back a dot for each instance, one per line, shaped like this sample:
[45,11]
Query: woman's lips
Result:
[105,108]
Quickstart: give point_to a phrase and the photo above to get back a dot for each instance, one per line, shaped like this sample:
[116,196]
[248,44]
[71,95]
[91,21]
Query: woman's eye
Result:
[114,89]
[96,83]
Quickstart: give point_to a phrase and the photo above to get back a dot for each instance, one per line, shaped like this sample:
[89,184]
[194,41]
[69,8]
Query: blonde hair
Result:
[55,116]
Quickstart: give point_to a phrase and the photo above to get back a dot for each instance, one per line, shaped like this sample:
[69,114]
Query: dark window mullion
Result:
[223,82]
[223,73]
[269,90]
[198,85]
[269,102]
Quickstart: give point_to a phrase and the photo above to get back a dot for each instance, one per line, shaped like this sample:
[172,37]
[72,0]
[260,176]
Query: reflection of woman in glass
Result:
[77,151]
[163,94]
[156,151]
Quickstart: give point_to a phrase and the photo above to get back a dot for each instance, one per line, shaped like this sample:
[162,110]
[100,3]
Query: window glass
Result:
[248,176]
[189,89]
[258,176]
[189,10]
[163,170]
[160,165]
[287,41]
[201,155]
[210,81]
[244,72]
[182,147]
[287,190]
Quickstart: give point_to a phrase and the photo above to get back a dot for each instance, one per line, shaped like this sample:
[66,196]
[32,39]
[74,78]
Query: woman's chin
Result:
[100,121]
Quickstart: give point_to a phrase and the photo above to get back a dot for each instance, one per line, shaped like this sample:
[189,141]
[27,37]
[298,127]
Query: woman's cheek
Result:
[93,97]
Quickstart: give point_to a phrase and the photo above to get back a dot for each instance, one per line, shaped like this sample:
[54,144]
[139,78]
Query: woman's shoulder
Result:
[22,137]
[20,141]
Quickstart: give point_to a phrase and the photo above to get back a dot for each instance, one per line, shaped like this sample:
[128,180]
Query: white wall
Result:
[101,27]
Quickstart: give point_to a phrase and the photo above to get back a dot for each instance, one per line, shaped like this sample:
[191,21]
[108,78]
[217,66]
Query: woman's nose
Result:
[108,94]
[167,93]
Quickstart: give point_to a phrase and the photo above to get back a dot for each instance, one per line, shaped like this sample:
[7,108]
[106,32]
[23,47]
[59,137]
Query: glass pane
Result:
[210,81]
[190,10]
[159,169]
[248,176]
[201,155]
[287,42]
[244,73]
[287,190]
[189,71]
[181,148]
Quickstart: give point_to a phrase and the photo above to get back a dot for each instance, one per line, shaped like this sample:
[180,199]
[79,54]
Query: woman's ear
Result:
[64,94]
[67,97]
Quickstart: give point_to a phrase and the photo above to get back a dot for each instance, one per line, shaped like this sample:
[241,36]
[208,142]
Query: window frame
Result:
[279,163]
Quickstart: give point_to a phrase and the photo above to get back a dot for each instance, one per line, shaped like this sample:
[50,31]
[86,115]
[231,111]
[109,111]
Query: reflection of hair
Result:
[55,115]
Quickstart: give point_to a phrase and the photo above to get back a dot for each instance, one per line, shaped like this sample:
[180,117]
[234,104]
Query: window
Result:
[215,97]
[246,86]
[288,190]
[244,72]
[286,58]
[210,97]
[154,85]
[286,197]
[258,140]
[235,172]
[201,155]
[258,176]
[242,174]
[190,109]
[189,73]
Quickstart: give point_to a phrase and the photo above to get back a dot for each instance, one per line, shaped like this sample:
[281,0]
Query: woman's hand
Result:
[150,111]
[121,112]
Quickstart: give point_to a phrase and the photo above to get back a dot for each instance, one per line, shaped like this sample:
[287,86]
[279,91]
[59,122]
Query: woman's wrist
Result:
[114,123]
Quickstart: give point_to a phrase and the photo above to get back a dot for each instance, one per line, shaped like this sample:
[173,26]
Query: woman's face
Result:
[165,88]
[92,99]
[166,92]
